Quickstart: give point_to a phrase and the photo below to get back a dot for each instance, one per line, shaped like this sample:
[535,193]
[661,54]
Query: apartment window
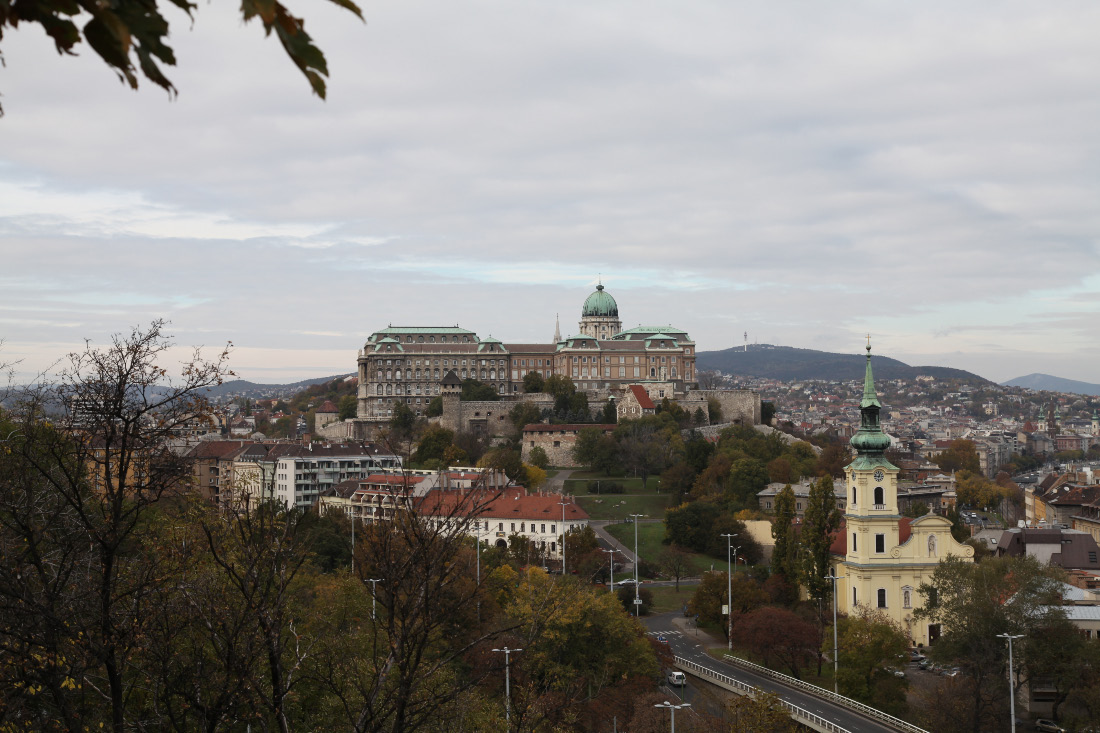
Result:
[882,598]
[513,526]
[880,543]
[553,529]
[501,527]
[543,528]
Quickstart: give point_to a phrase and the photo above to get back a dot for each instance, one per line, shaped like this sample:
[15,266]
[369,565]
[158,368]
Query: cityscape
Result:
[587,368]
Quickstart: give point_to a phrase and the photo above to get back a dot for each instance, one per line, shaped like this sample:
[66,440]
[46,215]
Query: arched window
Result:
[853,494]
[931,545]
[879,500]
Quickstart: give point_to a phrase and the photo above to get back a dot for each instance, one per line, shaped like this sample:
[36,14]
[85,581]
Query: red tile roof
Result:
[643,397]
[513,502]
[328,407]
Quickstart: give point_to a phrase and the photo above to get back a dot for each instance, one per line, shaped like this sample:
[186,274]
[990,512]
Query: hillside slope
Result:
[790,364]
[1054,384]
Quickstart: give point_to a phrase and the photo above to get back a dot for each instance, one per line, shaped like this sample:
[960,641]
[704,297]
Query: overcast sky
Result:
[807,172]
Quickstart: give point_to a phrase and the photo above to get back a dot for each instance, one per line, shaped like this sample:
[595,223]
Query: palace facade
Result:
[409,362]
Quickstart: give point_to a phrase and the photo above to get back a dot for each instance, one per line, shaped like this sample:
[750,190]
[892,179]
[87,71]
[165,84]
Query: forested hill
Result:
[1049,383]
[788,364]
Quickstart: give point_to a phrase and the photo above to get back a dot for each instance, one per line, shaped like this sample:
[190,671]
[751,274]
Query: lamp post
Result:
[729,589]
[637,603]
[611,565]
[507,685]
[735,550]
[563,504]
[672,709]
[477,553]
[373,598]
[834,577]
[1011,686]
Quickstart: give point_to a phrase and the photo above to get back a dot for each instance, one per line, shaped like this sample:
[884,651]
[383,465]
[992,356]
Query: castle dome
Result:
[600,303]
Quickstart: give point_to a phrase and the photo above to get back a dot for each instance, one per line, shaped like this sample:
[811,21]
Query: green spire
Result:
[870,397]
[869,441]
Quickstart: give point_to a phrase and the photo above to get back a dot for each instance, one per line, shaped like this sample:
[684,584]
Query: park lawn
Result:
[620,506]
[668,599]
[650,545]
[577,483]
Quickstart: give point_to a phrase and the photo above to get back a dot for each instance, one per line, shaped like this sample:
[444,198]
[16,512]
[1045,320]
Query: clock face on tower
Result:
[879,475]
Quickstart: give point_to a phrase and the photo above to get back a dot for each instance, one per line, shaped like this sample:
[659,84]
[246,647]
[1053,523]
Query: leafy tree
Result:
[585,446]
[870,644]
[834,457]
[785,552]
[676,563]
[691,525]
[536,477]
[709,597]
[403,420]
[915,509]
[610,415]
[764,713]
[507,460]
[538,457]
[777,636]
[714,410]
[347,405]
[699,417]
[820,521]
[748,476]
[779,471]
[697,452]
[976,601]
[559,385]
[433,444]
[962,455]
[129,37]
[714,479]
[474,390]
[435,407]
[677,480]
[533,382]
[524,414]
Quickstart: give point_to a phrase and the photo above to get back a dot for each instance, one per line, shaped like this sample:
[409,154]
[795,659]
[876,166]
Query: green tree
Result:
[871,645]
[714,410]
[538,457]
[129,38]
[767,412]
[347,406]
[778,637]
[820,521]
[474,390]
[974,602]
[610,415]
[524,414]
[962,455]
[676,563]
[785,552]
[915,509]
[533,382]
[676,481]
[433,444]
[748,476]
[435,407]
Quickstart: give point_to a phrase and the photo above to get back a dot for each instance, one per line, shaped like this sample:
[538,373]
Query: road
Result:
[691,643]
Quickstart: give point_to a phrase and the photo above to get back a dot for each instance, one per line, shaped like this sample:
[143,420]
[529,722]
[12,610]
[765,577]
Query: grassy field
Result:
[620,506]
[650,535]
[668,599]
[579,486]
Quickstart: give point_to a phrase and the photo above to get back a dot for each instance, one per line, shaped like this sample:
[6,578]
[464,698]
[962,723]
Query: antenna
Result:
[746,341]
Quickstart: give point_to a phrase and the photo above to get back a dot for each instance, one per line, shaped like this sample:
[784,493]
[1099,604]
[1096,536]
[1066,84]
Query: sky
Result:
[803,172]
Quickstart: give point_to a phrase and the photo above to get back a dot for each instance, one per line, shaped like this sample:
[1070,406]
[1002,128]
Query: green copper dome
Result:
[869,441]
[600,303]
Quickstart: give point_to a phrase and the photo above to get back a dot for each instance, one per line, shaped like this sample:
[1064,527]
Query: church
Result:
[880,557]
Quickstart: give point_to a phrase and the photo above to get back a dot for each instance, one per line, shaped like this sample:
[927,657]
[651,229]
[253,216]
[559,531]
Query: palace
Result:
[410,363]
[880,557]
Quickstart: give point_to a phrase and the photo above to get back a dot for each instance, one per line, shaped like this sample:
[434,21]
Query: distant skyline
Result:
[804,172]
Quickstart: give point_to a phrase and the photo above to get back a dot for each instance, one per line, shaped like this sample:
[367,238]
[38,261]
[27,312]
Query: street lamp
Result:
[672,709]
[729,588]
[834,577]
[1011,686]
[735,550]
[373,598]
[507,685]
[563,504]
[637,603]
[611,564]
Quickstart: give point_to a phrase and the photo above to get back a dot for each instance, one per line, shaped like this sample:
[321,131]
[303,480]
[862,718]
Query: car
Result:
[1048,726]
[677,678]
[896,671]
[628,581]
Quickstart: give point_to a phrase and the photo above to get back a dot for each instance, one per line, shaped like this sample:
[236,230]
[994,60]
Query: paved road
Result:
[690,642]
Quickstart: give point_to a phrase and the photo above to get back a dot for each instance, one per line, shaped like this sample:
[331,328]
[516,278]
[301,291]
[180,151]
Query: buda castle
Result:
[410,363]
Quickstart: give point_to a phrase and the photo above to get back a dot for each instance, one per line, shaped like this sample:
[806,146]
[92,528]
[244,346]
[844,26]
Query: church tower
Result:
[886,556]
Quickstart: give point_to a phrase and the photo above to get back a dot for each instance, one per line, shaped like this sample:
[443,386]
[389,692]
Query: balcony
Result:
[880,507]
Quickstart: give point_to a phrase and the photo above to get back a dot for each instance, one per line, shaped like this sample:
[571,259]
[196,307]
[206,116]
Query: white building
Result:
[303,472]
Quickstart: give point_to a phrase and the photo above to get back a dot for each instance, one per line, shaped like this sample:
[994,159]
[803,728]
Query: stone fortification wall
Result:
[738,405]
[713,431]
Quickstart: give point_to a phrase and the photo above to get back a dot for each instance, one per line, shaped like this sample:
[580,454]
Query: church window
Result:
[854,547]
[880,501]
[880,543]
[882,598]
[855,598]
[853,494]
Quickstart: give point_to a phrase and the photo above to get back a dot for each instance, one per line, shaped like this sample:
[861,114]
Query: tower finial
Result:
[868,342]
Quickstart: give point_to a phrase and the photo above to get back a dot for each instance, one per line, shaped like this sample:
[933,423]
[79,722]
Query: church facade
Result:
[410,363]
[880,557]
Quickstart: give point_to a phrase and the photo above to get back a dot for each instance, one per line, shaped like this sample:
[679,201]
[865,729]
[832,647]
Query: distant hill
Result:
[1053,384]
[244,388]
[789,364]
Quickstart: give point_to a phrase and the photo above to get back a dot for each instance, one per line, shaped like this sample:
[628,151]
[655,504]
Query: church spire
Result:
[557,329]
[869,441]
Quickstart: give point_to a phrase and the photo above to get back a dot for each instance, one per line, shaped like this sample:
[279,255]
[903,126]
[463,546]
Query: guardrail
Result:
[800,714]
[867,710]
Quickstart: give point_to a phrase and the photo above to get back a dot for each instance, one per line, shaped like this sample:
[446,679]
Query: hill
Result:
[789,364]
[1049,383]
[244,388]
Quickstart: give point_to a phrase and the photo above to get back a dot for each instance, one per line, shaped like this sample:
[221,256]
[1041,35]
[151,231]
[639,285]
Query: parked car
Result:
[1048,726]
[678,679]
[628,581]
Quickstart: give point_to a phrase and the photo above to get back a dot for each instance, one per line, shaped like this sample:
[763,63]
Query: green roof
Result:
[600,303]
[414,330]
[644,330]
[869,441]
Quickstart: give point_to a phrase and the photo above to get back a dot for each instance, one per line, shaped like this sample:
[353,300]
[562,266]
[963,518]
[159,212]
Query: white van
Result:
[677,678]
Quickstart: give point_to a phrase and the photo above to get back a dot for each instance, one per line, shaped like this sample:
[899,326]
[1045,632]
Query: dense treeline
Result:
[127,605]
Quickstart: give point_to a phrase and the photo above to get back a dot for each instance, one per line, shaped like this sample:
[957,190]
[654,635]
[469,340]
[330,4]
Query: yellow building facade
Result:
[880,557]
